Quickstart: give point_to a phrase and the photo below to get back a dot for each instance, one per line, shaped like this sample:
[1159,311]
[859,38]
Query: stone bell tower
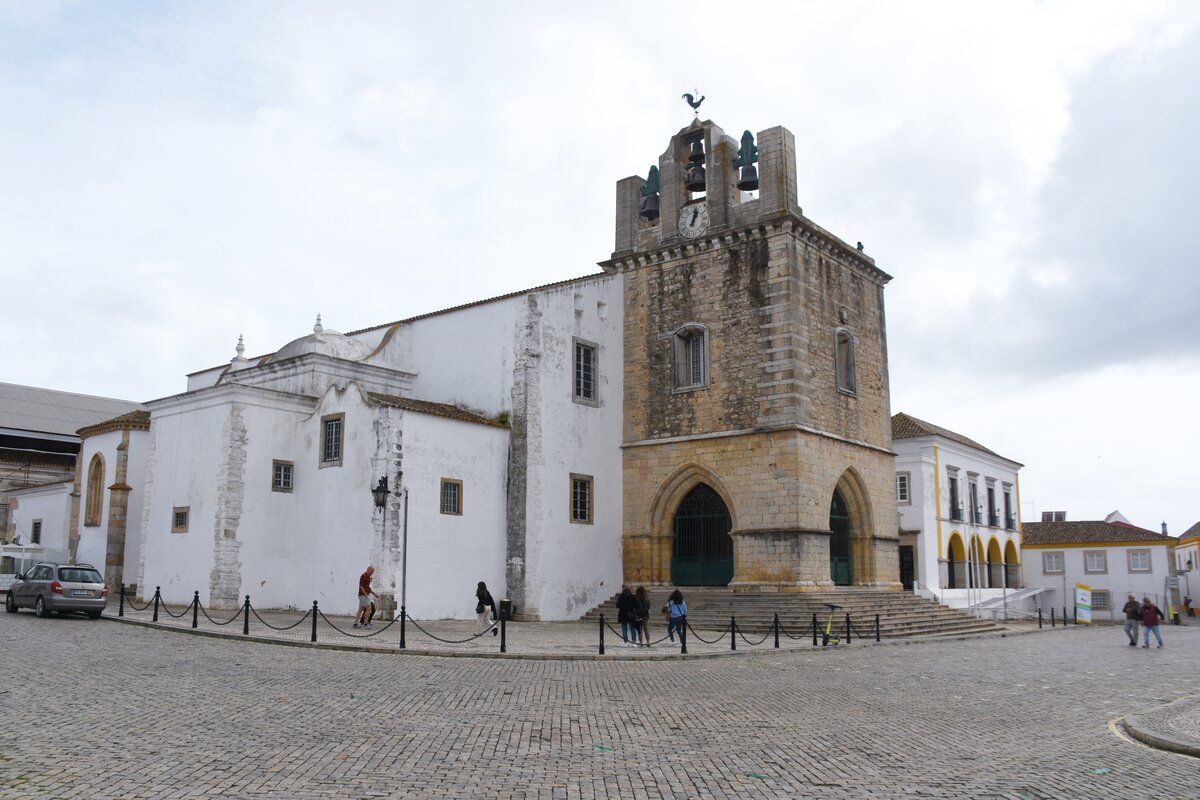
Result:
[757,437]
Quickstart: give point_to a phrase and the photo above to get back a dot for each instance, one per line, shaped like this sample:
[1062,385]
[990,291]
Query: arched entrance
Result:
[841,563]
[1012,567]
[703,550]
[956,563]
[995,565]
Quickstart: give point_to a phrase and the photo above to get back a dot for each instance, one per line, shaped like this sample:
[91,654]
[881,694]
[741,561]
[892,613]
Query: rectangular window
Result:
[452,496]
[332,428]
[1139,561]
[973,490]
[902,487]
[585,372]
[1095,561]
[1101,600]
[581,499]
[1010,521]
[179,519]
[955,506]
[691,358]
[1052,564]
[844,366]
[281,476]
[993,518]
[35,532]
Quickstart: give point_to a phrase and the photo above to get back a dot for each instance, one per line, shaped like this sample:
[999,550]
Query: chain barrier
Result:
[163,607]
[805,635]
[129,602]
[766,636]
[413,622]
[329,622]
[236,616]
[286,628]
[706,641]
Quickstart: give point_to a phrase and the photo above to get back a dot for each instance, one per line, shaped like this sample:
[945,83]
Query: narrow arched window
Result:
[690,357]
[846,381]
[94,500]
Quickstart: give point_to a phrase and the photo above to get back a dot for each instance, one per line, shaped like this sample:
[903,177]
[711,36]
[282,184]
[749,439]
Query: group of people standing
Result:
[633,612]
[1145,613]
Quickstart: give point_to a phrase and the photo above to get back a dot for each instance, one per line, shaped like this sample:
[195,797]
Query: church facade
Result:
[711,409]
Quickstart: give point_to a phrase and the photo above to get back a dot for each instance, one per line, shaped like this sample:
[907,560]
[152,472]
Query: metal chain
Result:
[766,636]
[129,602]
[706,641]
[236,615]
[329,622]
[274,628]
[449,641]
[163,607]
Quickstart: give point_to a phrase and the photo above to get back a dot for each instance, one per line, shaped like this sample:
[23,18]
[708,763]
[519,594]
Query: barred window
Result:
[281,476]
[179,519]
[1101,600]
[35,532]
[451,496]
[331,439]
[585,372]
[581,499]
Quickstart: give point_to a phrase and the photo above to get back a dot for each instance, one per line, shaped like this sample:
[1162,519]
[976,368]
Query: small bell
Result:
[696,156]
[649,207]
[748,179]
[695,178]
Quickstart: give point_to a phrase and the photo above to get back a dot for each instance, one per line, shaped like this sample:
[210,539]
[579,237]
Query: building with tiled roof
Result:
[1111,558]
[959,513]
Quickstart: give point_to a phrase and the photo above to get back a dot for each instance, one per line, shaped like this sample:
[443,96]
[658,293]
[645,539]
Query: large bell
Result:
[695,178]
[748,179]
[696,156]
[649,207]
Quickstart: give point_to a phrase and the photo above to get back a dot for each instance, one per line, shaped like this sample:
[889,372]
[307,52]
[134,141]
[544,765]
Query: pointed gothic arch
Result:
[672,494]
[851,530]
[94,500]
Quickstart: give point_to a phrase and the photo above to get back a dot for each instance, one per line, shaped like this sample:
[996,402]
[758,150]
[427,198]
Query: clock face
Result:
[693,220]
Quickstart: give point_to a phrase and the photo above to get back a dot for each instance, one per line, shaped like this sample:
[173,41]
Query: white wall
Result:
[1117,580]
[93,540]
[50,503]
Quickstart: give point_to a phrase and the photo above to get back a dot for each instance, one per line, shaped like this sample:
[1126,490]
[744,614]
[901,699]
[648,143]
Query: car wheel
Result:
[94,614]
[40,607]
[10,605]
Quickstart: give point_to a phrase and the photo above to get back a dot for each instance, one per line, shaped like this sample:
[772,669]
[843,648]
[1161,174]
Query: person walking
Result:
[1150,617]
[643,615]
[483,602]
[677,610]
[627,616]
[362,619]
[1133,614]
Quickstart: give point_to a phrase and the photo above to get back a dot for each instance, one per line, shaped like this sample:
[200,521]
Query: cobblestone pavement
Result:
[103,710]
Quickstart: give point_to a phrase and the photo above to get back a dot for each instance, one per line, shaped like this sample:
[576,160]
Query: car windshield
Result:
[79,575]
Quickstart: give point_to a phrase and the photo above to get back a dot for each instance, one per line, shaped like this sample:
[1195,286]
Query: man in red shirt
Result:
[364,598]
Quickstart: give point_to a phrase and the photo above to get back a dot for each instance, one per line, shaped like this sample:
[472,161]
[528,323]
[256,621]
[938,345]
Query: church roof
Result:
[135,420]
[48,411]
[1087,532]
[436,409]
[326,342]
[909,427]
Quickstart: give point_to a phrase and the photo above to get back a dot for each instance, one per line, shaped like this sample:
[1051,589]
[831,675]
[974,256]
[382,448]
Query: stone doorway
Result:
[841,562]
[702,553]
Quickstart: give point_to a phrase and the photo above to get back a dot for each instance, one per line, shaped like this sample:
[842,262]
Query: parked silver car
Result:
[48,587]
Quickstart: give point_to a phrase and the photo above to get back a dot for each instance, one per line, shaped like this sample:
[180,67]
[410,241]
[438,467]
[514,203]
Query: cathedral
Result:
[710,409]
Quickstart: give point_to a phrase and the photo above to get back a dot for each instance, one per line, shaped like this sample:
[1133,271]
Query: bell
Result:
[748,179]
[649,207]
[696,156]
[695,178]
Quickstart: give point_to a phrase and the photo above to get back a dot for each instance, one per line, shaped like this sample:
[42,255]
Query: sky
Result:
[178,174]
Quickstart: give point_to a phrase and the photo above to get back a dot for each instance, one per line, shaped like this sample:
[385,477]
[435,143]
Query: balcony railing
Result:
[1011,523]
[994,520]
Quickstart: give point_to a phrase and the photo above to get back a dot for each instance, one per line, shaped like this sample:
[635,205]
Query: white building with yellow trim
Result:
[960,525]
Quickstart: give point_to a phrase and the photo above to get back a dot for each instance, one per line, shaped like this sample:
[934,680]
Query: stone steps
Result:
[900,614]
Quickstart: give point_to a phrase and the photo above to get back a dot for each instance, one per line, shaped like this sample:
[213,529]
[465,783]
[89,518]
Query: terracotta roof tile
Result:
[1087,532]
[909,427]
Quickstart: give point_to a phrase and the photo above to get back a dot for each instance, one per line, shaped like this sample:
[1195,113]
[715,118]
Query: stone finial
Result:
[239,361]
[318,328]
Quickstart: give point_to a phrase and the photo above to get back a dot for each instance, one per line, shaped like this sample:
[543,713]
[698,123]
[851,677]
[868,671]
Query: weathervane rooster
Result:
[693,102]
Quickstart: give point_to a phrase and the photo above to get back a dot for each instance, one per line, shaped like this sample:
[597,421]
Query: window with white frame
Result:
[902,495]
[844,348]
[1053,564]
[452,496]
[281,476]
[690,357]
[1095,561]
[1139,561]
[585,373]
[1101,600]
[332,430]
[581,499]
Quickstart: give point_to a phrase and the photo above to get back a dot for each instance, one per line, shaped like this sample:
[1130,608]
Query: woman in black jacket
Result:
[627,616]
[483,602]
[643,614]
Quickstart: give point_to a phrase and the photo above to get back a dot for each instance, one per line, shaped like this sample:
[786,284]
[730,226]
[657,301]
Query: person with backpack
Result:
[677,611]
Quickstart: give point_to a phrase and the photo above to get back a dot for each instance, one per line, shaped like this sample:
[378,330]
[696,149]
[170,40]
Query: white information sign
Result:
[1083,603]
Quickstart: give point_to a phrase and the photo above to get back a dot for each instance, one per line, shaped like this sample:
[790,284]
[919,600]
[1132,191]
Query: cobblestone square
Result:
[107,710]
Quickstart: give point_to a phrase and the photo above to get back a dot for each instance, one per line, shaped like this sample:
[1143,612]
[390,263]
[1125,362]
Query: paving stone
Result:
[104,710]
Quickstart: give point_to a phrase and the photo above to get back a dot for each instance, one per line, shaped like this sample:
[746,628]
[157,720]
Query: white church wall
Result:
[51,505]
[448,554]
[573,567]
[93,539]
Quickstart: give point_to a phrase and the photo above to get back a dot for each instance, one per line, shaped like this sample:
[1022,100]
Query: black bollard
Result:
[1074,615]
[156,589]
[876,628]
[403,615]
[601,634]
[1051,616]
[683,635]
[814,630]
[195,610]
[1039,618]
[503,633]
[775,625]
[314,622]
[732,634]
[848,639]
[246,617]
[121,608]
